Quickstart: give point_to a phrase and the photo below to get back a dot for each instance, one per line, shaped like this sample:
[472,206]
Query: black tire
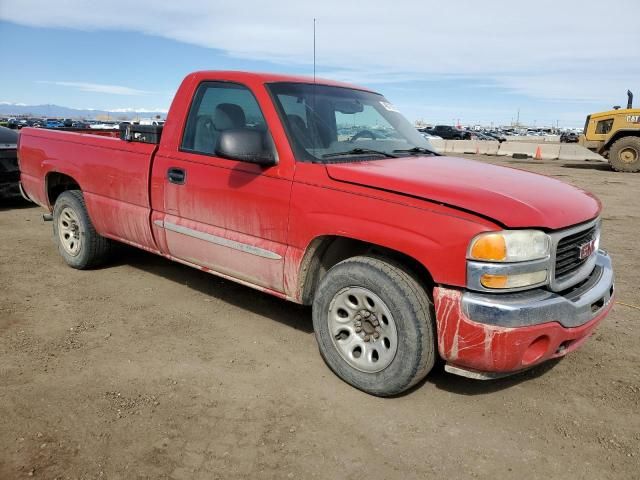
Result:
[93,249]
[624,155]
[412,315]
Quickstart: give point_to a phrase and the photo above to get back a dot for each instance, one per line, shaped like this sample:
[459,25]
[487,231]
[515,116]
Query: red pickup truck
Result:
[322,193]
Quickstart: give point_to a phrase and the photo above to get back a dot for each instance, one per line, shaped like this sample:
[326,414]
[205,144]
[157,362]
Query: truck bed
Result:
[113,175]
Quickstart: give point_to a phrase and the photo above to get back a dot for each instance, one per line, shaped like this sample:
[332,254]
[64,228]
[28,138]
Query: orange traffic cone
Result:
[538,154]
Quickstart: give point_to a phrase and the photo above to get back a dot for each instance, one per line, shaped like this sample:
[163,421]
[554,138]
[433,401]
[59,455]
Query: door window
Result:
[604,126]
[219,106]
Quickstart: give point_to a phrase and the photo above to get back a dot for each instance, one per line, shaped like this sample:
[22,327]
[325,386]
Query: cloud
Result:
[571,50]
[99,88]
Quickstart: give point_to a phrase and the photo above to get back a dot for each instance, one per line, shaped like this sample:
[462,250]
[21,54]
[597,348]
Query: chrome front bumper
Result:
[575,307]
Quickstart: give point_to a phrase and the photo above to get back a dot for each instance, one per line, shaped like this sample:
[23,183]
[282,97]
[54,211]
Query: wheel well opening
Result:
[621,134]
[58,183]
[325,252]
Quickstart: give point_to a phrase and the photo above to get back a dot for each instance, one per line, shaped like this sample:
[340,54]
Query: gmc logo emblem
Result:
[587,249]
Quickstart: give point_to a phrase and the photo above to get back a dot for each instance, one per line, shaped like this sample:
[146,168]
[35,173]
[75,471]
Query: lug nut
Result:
[366,314]
[358,329]
[376,335]
[366,338]
[376,323]
[358,323]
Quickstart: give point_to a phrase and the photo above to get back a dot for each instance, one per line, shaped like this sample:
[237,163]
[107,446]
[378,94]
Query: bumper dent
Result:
[516,331]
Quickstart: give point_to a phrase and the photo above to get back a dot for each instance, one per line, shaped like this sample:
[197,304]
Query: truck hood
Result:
[513,198]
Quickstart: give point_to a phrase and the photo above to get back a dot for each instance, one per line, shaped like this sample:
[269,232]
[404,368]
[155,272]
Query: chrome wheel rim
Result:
[362,329]
[69,231]
[628,155]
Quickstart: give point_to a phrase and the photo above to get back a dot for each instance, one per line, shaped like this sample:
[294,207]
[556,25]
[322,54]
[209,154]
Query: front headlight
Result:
[508,260]
[510,246]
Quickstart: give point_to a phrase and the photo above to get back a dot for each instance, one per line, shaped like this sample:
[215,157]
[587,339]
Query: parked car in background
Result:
[496,136]
[569,137]
[449,133]
[9,172]
[481,136]
[53,123]
[150,121]
[430,136]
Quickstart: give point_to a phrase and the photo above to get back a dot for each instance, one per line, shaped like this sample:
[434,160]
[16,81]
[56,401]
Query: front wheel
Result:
[78,242]
[374,325]
[624,154]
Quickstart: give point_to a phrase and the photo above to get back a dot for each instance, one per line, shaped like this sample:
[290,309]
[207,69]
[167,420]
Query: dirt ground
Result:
[150,369]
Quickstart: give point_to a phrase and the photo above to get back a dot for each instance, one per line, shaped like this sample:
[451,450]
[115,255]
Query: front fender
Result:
[435,236]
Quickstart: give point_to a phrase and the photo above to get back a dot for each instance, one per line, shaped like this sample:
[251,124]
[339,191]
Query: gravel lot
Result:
[150,369]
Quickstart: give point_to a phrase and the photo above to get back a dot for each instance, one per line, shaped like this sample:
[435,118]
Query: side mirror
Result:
[252,146]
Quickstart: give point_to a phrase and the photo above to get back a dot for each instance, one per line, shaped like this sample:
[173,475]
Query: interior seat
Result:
[300,130]
[229,115]
[204,136]
[208,127]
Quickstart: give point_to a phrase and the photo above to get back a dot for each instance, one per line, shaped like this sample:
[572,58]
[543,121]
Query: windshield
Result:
[328,124]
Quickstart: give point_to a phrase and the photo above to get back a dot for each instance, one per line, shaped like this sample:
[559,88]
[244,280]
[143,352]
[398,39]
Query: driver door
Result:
[220,214]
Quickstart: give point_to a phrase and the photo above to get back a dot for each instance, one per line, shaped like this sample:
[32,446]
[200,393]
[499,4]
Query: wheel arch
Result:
[325,251]
[58,182]
[620,134]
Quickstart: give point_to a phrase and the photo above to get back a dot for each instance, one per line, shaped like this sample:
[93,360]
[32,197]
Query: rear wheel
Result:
[374,325]
[78,242]
[624,154]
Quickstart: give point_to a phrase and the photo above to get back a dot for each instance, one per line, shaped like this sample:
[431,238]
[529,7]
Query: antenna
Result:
[314,83]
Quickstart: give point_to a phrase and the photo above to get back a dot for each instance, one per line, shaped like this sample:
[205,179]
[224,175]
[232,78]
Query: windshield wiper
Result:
[416,150]
[358,151]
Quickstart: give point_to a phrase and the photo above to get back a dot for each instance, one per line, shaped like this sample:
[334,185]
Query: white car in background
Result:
[429,136]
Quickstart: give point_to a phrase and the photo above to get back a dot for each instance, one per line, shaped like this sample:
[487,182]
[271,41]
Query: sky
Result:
[442,62]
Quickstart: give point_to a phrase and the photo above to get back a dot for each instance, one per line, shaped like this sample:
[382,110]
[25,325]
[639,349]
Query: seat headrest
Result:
[296,121]
[229,115]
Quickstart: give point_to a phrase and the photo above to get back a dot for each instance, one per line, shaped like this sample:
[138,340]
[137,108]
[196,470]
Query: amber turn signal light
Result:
[494,281]
[490,247]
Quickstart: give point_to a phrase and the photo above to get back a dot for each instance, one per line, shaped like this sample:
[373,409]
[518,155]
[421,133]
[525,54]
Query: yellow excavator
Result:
[615,135]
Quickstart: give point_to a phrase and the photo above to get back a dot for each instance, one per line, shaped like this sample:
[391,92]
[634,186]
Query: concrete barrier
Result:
[462,146]
[438,144]
[533,139]
[487,147]
[574,151]
[509,148]
[481,147]
[547,151]
[538,151]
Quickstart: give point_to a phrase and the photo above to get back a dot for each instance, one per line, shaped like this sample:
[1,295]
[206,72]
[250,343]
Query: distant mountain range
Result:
[57,111]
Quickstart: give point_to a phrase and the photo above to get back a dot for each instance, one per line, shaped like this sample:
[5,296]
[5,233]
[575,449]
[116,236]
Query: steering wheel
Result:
[363,134]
